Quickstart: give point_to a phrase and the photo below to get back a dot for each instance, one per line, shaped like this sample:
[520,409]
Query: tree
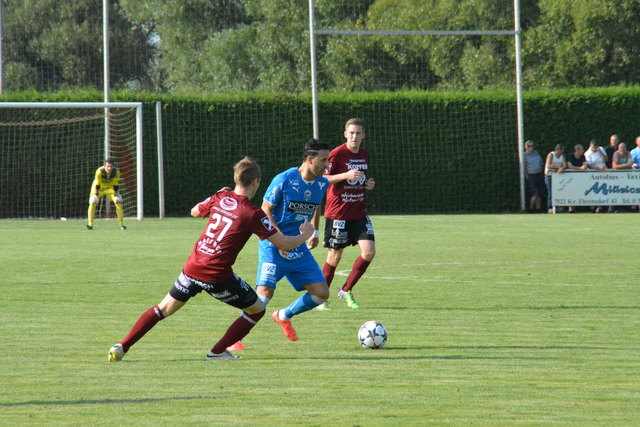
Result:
[186,32]
[50,45]
[584,43]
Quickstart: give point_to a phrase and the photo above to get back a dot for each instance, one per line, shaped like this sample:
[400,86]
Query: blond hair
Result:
[246,171]
[355,121]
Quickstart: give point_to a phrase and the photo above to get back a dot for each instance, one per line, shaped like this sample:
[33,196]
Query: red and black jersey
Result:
[232,220]
[346,199]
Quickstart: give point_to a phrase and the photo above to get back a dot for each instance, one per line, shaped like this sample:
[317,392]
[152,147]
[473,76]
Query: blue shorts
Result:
[300,272]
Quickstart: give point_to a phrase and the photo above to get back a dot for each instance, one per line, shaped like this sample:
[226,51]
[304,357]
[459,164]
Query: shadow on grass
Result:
[108,401]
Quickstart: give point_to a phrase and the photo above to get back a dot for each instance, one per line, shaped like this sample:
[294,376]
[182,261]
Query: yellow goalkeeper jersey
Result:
[105,181]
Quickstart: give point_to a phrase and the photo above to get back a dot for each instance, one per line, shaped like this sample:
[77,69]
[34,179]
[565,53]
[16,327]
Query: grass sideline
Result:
[492,320]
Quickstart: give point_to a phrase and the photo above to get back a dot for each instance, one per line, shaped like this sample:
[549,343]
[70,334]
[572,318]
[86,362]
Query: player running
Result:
[232,220]
[346,219]
[293,197]
[106,182]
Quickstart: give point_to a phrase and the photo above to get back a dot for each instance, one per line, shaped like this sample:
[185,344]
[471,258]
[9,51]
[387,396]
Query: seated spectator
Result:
[622,158]
[614,140]
[555,163]
[596,156]
[533,173]
[576,161]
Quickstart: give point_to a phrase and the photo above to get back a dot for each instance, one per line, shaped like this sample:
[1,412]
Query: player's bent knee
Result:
[319,300]
[117,199]
[255,308]
[369,255]
[93,200]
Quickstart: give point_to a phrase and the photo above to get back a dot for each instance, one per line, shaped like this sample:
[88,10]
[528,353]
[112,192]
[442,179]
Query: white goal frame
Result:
[106,105]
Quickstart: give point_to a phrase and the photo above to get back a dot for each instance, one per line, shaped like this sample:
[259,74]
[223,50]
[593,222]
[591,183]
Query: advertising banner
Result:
[592,188]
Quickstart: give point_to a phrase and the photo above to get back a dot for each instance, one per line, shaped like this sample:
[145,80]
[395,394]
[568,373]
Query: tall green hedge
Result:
[431,152]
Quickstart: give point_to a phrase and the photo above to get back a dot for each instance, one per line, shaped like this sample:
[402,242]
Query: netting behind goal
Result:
[447,139]
[49,154]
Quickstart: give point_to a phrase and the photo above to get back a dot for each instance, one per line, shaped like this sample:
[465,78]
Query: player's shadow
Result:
[108,401]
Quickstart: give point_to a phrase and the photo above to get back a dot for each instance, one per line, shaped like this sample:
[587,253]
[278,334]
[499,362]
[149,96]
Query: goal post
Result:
[50,151]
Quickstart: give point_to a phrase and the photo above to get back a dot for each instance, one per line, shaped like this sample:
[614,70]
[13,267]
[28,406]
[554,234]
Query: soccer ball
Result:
[372,335]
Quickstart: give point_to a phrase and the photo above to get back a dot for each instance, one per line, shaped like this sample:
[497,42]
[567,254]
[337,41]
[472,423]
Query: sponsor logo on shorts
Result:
[244,285]
[290,255]
[220,295]
[342,235]
[181,288]
[370,229]
[339,224]
[182,283]
[268,271]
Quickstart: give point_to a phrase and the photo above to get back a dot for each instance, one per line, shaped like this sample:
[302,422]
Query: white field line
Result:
[369,276]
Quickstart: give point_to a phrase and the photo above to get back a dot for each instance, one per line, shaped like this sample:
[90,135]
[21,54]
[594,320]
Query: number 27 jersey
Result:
[232,221]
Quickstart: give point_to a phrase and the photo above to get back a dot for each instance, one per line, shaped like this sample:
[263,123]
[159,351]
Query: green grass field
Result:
[492,320]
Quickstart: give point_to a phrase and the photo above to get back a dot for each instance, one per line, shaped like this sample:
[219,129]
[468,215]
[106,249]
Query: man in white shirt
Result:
[596,156]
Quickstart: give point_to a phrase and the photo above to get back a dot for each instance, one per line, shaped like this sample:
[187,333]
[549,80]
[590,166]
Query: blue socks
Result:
[306,302]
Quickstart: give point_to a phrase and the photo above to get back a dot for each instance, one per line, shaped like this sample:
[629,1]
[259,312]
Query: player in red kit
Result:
[232,220]
[347,222]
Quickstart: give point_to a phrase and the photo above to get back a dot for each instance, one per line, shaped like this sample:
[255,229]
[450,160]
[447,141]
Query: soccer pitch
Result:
[492,320]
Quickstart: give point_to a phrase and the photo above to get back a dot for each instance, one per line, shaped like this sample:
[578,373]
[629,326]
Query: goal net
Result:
[445,138]
[49,153]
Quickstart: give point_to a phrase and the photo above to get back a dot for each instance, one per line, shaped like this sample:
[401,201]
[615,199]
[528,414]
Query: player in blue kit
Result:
[293,197]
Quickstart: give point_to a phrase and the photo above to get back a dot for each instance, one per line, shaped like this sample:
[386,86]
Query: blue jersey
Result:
[295,200]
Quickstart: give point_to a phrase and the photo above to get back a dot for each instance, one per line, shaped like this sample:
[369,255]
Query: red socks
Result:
[328,271]
[144,324]
[238,330]
[358,269]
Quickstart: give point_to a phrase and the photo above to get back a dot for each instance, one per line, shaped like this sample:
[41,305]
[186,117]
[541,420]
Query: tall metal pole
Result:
[314,83]
[516,11]
[1,45]
[160,160]
[105,66]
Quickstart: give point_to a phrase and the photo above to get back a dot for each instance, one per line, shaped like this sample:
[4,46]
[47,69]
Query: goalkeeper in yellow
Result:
[106,183]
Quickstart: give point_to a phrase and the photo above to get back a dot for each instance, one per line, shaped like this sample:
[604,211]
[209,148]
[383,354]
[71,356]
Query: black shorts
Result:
[535,184]
[234,291]
[339,233]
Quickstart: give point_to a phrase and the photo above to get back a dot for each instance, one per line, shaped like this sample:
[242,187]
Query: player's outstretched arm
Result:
[286,243]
